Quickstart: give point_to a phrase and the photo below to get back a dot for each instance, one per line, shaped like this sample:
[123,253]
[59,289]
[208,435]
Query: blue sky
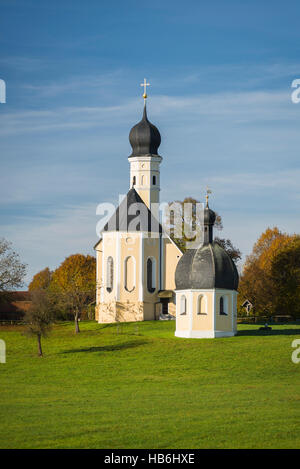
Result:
[220,93]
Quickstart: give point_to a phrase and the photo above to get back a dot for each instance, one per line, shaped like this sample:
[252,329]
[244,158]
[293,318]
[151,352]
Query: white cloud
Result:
[46,240]
[23,64]
[96,84]
[242,108]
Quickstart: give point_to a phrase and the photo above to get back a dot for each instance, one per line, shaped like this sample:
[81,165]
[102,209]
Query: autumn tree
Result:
[285,270]
[41,280]
[39,317]
[258,283]
[12,270]
[75,283]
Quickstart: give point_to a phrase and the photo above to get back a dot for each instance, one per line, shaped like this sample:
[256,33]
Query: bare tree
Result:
[227,245]
[180,218]
[12,270]
[76,302]
[40,317]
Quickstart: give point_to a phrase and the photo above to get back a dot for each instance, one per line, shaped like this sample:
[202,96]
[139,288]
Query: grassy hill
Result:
[137,386]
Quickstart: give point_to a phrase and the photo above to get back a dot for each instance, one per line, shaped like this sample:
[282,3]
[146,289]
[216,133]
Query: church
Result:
[142,274]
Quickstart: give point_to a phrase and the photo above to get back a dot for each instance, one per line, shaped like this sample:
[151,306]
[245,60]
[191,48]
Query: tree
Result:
[186,216]
[39,317]
[183,216]
[258,282]
[41,280]
[12,270]
[75,283]
[227,245]
[285,271]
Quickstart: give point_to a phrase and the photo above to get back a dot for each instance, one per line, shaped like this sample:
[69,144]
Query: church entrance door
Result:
[165,305]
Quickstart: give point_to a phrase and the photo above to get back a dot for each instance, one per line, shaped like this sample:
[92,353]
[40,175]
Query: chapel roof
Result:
[133,215]
[205,268]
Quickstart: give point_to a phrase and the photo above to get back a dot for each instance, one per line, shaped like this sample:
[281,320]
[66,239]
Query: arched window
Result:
[134,181]
[154,180]
[151,275]
[223,305]
[201,304]
[182,304]
[110,274]
[129,274]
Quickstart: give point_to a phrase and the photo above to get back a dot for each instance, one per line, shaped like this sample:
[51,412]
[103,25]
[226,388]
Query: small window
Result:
[183,305]
[151,280]
[223,305]
[129,274]
[134,181]
[154,180]
[142,180]
[109,274]
[201,304]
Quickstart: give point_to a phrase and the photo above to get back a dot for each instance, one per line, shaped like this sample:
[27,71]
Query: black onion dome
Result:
[206,267]
[209,216]
[144,137]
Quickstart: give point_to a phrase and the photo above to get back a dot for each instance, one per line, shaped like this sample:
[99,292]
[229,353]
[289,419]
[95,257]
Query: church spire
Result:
[144,160]
[144,137]
[209,221]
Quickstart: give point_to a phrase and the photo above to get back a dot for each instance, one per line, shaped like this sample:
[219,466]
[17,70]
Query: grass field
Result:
[137,386]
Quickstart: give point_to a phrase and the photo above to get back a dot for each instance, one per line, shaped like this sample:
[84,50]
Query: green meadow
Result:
[135,385]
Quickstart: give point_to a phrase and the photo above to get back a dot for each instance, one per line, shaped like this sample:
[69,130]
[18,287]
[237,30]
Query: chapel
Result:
[136,260]
[142,274]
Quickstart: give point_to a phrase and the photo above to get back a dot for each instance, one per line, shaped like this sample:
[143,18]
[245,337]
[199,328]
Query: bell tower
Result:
[144,160]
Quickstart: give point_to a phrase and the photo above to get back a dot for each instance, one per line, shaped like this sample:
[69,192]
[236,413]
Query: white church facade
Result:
[142,274]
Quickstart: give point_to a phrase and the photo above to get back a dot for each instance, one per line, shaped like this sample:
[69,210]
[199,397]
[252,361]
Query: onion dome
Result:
[209,266]
[144,137]
[206,267]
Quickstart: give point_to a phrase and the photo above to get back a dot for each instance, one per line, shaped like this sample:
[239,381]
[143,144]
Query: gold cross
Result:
[145,84]
[208,191]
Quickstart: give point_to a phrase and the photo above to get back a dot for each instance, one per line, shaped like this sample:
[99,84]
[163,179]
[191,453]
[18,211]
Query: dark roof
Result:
[15,295]
[14,304]
[98,242]
[144,137]
[133,215]
[209,216]
[209,266]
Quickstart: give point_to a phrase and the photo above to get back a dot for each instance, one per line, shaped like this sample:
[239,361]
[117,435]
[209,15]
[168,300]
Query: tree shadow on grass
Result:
[257,332]
[85,329]
[108,348]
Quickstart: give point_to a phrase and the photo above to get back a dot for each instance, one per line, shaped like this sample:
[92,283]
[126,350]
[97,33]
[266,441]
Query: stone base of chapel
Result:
[118,311]
[204,334]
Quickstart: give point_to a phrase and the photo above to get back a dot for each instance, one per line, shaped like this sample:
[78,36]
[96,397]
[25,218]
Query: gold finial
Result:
[208,191]
[145,84]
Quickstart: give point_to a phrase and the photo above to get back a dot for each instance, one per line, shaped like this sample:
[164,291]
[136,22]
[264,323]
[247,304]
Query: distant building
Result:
[13,305]
[248,306]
